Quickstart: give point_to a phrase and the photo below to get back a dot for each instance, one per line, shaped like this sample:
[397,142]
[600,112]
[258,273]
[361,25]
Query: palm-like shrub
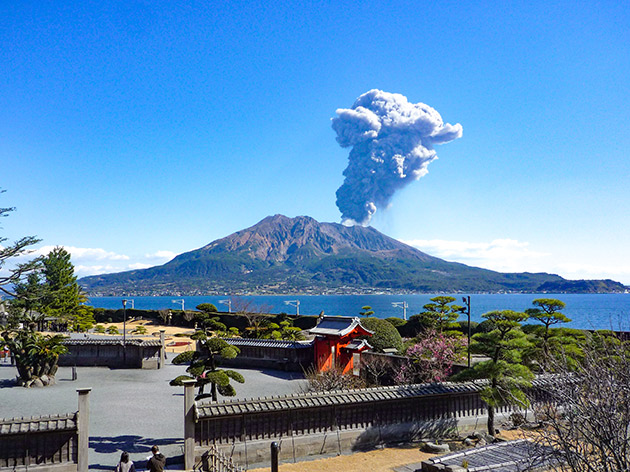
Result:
[35,354]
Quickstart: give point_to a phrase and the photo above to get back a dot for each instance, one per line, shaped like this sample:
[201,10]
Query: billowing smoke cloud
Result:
[392,144]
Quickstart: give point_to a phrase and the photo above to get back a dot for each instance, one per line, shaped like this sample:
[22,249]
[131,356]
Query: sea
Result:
[587,311]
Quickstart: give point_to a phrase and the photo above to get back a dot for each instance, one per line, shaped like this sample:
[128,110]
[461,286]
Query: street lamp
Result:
[296,304]
[228,303]
[124,302]
[466,300]
[402,305]
[181,302]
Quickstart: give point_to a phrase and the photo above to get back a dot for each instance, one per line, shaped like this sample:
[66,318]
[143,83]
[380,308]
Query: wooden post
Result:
[162,349]
[189,424]
[83,429]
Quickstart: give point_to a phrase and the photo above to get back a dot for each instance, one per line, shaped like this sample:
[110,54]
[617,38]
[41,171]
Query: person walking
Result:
[157,462]
[125,465]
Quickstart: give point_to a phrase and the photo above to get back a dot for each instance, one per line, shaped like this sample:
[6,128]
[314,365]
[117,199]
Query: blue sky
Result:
[133,131]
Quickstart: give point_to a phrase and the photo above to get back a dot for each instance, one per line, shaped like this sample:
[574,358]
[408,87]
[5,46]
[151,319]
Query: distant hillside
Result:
[301,255]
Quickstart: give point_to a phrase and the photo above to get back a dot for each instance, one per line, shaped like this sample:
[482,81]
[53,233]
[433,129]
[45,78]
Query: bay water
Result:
[587,311]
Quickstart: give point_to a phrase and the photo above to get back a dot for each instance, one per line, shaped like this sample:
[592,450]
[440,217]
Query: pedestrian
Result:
[125,465]
[157,462]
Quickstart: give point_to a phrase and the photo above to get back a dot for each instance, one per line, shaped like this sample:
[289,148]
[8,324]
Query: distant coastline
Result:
[588,311]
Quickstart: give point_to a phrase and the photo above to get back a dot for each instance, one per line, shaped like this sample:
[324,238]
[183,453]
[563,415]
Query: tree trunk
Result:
[214,392]
[490,420]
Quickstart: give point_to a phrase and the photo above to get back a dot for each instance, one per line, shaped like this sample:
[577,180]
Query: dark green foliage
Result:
[366,311]
[183,358]
[549,342]
[35,354]
[305,322]
[179,380]
[486,326]
[385,334]
[396,322]
[204,367]
[62,292]
[440,314]
[505,346]
[462,326]
[207,307]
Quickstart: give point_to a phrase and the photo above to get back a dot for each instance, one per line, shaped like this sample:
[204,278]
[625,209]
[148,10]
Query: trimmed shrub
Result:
[385,335]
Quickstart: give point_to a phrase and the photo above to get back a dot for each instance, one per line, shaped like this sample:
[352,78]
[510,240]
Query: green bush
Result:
[396,322]
[183,358]
[112,330]
[207,307]
[385,335]
[99,329]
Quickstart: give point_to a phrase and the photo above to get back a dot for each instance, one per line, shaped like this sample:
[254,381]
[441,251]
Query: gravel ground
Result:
[129,409]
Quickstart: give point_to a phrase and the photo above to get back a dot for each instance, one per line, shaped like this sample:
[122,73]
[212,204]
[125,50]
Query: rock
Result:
[37,383]
[51,380]
[481,442]
[45,380]
[469,442]
[436,448]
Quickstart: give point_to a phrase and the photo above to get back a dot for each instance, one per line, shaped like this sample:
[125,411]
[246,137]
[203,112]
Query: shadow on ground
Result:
[130,443]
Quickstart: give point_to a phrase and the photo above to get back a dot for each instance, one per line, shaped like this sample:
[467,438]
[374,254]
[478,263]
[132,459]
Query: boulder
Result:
[435,448]
[37,383]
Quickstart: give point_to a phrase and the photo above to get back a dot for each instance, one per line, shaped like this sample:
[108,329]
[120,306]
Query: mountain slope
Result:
[288,255]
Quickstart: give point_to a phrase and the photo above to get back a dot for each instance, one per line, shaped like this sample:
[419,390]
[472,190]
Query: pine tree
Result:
[506,374]
[62,290]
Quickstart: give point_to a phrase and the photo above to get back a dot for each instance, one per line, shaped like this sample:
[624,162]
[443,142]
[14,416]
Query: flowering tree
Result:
[431,359]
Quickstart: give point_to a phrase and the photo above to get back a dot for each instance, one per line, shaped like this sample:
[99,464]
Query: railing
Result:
[55,443]
[214,460]
[278,417]
[38,441]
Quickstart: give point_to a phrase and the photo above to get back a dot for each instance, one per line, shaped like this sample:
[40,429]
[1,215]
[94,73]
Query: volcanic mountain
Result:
[301,255]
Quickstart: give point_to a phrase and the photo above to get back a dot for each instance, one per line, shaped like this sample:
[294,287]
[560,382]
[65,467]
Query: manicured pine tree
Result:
[204,367]
[506,374]
[548,341]
[441,314]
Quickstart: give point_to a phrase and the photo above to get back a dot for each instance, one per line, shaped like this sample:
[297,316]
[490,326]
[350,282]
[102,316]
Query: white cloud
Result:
[167,255]
[85,253]
[505,255]
[139,265]
[510,255]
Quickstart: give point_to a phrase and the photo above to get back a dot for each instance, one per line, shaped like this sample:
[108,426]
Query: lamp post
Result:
[402,305]
[124,302]
[181,302]
[296,304]
[466,300]
[228,303]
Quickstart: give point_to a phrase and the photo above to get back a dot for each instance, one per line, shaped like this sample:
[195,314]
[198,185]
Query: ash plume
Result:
[392,144]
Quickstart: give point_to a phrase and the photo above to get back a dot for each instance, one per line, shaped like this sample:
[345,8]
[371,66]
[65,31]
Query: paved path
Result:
[129,409]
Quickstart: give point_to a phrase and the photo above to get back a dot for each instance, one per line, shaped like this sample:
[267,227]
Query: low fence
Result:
[56,443]
[214,460]
[337,421]
[271,354]
[113,352]
[44,441]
